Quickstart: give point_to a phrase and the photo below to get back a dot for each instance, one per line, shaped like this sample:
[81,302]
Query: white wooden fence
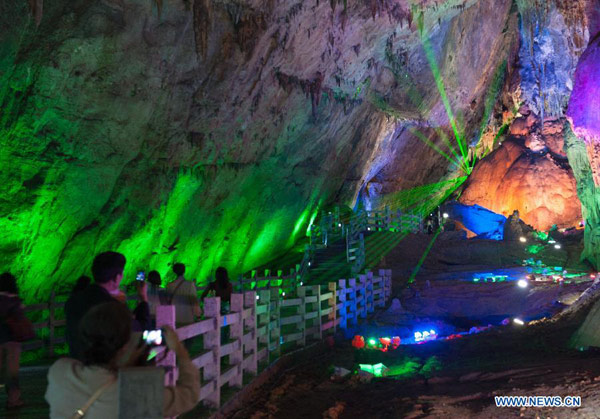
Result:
[262,325]
[50,323]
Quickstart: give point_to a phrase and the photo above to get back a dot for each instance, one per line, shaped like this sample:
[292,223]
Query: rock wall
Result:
[214,131]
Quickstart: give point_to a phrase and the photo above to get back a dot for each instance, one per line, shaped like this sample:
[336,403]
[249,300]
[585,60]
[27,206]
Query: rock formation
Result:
[582,143]
[537,183]
[213,131]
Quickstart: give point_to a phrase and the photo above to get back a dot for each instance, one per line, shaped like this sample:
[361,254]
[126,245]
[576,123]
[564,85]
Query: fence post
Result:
[236,332]
[212,342]
[343,304]
[51,321]
[165,316]
[369,292]
[274,324]
[388,282]
[332,303]
[317,292]
[360,290]
[251,323]
[385,284]
[265,320]
[357,300]
[302,313]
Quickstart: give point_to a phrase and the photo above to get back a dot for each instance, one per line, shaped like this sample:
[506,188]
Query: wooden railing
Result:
[262,326]
[365,221]
[270,280]
[50,323]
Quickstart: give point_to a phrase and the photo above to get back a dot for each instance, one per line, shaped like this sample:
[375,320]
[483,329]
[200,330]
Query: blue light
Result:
[425,335]
[481,221]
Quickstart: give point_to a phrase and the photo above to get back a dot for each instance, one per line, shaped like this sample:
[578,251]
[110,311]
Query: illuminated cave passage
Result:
[297,144]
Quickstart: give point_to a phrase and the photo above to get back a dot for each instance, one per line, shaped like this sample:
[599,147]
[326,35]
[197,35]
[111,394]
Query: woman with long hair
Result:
[11,307]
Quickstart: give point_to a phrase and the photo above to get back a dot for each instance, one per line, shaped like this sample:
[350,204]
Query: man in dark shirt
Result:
[107,270]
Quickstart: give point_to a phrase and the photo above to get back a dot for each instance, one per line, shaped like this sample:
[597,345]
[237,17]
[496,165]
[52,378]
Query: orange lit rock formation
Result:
[540,185]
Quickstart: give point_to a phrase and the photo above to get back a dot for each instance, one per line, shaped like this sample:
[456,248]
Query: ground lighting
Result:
[522,239]
[518,321]
[522,283]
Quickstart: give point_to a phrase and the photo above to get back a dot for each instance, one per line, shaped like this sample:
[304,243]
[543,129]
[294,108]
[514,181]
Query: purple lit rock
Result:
[584,106]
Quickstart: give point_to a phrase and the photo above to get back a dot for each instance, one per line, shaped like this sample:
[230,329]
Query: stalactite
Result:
[202,23]
[37,8]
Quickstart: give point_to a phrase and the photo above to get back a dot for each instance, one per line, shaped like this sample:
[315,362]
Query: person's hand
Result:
[142,290]
[172,341]
[135,352]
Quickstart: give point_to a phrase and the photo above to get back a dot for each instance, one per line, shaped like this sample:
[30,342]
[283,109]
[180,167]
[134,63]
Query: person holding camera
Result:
[89,387]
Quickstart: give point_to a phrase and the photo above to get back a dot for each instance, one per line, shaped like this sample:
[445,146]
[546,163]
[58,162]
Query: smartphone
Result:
[141,276]
[153,337]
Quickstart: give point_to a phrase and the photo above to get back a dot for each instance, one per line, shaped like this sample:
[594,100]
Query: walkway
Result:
[33,387]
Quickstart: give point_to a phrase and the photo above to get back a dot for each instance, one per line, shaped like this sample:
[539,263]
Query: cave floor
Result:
[457,378]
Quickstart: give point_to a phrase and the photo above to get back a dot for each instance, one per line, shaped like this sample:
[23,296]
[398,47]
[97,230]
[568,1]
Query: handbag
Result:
[81,412]
[21,328]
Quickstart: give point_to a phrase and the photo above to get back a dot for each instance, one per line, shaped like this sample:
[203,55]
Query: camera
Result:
[153,337]
[141,276]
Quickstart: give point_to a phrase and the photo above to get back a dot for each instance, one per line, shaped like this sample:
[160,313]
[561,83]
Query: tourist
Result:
[156,295]
[11,308]
[81,284]
[105,332]
[107,270]
[222,288]
[183,295]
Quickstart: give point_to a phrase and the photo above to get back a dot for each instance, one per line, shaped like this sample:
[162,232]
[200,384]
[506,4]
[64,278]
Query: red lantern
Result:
[358,342]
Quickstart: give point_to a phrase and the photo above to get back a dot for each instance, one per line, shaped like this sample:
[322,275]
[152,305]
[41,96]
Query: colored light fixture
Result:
[378,370]
[358,342]
[425,335]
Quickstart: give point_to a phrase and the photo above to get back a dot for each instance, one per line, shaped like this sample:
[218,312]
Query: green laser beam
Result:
[424,256]
[427,142]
